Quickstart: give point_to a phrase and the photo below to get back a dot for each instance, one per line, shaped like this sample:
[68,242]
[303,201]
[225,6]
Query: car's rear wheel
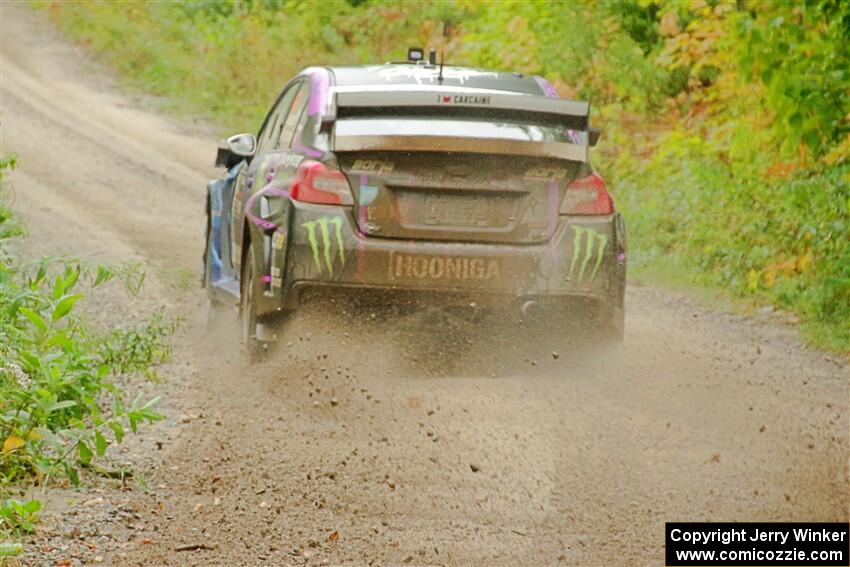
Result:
[248,309]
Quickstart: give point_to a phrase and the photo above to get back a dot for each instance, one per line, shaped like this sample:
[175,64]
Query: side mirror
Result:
[593,135]
[235,149]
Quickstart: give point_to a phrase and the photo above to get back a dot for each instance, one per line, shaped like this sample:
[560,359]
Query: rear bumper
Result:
[321,248]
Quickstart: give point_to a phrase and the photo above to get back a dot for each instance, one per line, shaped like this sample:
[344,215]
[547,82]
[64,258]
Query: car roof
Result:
[393,74]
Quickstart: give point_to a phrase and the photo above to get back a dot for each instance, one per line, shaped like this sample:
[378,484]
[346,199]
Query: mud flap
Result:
[219,200]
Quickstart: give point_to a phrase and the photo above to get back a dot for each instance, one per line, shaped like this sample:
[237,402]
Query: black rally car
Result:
[410,179]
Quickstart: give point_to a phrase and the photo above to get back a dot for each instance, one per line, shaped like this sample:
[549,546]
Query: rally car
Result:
[413,179]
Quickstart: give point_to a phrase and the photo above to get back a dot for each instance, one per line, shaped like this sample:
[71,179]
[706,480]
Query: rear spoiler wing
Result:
[558,150]
[437,102]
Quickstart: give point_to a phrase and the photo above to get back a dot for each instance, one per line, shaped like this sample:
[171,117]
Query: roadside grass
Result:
[62,403]
[202,57]
[725,182]
[179,278]
[784,242]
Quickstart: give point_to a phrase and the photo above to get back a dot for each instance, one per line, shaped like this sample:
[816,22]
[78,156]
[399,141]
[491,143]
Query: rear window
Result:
[454,127]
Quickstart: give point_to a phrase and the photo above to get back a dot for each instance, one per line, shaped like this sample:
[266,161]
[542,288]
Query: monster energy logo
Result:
[594,243]
[321,228]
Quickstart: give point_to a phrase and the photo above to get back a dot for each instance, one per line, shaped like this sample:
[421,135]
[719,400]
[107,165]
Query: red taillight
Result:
[587,196]
[317,183]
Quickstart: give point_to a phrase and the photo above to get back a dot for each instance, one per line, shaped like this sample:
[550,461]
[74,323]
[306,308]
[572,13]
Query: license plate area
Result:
[450,210]
[473,210]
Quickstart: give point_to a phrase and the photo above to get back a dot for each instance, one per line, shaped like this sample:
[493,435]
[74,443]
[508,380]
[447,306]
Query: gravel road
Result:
[419,441]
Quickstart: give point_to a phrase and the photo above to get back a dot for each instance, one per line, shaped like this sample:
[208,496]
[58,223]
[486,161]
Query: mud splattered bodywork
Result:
[387,179]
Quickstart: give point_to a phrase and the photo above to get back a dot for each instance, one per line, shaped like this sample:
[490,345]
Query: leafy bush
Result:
[799,53]
[582,48]
[781,240]
[22,515]
[59,404]
[205,56]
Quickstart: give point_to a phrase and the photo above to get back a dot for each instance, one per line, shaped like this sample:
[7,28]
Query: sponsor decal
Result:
[322,242]
[593,242]
[372,166]
[547,173]
[278,244]
[463,99]
[407,266]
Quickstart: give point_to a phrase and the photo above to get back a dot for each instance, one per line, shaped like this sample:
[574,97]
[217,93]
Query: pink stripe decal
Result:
[546,86]
[299,147]
[361,222]
[319,83]
[361,210]
[267,190]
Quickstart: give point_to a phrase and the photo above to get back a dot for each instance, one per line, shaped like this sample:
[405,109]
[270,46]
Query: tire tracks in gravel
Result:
[499,454]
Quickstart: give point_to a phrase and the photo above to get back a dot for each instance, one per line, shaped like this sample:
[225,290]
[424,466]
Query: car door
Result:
[248,179]
[277,169]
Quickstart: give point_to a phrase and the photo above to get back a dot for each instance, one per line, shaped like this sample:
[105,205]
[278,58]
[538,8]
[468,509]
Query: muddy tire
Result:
[248,309]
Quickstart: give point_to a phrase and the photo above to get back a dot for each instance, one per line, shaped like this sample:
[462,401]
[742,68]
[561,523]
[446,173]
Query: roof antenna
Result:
[446,26]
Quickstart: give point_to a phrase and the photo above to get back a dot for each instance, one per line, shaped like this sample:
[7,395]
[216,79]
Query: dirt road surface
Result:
[356,445]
